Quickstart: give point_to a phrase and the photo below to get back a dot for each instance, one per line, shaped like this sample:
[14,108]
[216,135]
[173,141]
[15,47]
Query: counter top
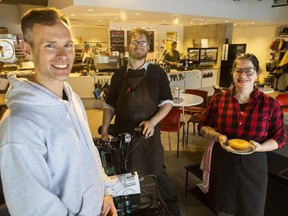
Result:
[191,70]
[92,74]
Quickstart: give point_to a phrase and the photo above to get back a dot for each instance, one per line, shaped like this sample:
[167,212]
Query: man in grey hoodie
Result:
[48,162]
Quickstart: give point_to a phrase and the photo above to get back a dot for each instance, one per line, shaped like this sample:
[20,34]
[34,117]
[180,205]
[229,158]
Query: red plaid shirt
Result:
[262,119]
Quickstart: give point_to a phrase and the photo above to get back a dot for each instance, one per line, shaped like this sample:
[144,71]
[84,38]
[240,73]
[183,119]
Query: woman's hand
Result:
[222,140]
[108,207]
[256,144]
[267,145]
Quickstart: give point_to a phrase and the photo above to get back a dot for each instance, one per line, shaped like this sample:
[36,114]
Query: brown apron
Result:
[134,105]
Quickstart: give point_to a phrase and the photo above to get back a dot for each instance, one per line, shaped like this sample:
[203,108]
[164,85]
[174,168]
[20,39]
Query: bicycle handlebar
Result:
[122,142]
[113,142]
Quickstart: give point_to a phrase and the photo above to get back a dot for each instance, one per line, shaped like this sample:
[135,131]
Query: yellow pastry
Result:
[238,144]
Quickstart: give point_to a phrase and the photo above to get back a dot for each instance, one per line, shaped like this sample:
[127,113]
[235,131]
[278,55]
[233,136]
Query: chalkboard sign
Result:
[151,36]
[117,40]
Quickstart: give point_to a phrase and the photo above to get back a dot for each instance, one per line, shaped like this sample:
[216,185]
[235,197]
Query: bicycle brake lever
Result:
[138,131]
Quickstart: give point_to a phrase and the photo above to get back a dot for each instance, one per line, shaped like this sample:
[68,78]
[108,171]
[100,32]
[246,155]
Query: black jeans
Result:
[167,193]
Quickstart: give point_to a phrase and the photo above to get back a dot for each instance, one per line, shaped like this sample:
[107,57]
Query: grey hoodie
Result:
[48,162]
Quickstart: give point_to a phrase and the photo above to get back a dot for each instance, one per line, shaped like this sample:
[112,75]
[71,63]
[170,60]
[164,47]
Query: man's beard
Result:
[138,56]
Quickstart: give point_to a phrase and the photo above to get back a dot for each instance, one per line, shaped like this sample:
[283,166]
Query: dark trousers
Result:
[167,193]
[4,210]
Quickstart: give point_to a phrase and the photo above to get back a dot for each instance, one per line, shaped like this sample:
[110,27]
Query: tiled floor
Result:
[175,166]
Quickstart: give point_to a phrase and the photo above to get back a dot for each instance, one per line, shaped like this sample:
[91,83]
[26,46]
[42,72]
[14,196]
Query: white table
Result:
[188,100]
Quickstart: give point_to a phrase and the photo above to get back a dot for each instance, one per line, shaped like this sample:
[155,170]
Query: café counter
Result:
[190,79]
[84,86]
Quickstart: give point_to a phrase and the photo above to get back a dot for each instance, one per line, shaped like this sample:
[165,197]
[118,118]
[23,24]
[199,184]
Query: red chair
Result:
[199,108]
[282,98]
[195,118]
[172,123]
[196,111]
[217,89]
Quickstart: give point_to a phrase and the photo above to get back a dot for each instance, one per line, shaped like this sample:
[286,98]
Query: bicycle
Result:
[148,202]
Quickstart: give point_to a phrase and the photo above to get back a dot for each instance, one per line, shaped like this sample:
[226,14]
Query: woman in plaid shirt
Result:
[238,182]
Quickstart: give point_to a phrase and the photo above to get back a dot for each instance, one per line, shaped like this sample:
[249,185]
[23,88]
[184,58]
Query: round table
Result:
[187,100]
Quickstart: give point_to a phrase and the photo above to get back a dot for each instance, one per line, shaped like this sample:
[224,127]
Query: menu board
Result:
[117,40]
[151,36]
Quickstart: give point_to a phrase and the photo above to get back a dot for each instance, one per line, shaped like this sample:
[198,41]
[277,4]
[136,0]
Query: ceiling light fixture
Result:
[176,20]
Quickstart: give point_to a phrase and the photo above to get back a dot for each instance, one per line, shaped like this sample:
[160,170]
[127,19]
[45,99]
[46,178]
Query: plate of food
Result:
[239,146]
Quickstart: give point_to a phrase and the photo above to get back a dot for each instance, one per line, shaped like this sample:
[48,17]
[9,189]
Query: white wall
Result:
[9,18]
[258,39]
[90,34]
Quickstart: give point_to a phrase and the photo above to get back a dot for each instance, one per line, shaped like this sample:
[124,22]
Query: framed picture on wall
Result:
[151,36]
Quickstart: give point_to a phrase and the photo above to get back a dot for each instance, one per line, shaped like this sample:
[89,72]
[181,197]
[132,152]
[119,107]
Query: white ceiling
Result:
[87,13]
[89,16]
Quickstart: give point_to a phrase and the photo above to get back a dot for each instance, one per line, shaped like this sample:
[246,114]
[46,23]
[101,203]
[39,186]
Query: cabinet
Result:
[209,77]
[195,79]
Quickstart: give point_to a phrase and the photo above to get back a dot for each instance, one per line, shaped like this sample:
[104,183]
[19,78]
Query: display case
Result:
[202,56]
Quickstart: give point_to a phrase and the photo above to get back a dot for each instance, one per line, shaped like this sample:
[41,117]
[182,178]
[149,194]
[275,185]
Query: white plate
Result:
[247,151]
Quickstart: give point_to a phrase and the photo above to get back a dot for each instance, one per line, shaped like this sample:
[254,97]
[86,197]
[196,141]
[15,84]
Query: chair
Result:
[172,123]
[195,118]
[282,98]
[199,108]
[196,111]
[217,89]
